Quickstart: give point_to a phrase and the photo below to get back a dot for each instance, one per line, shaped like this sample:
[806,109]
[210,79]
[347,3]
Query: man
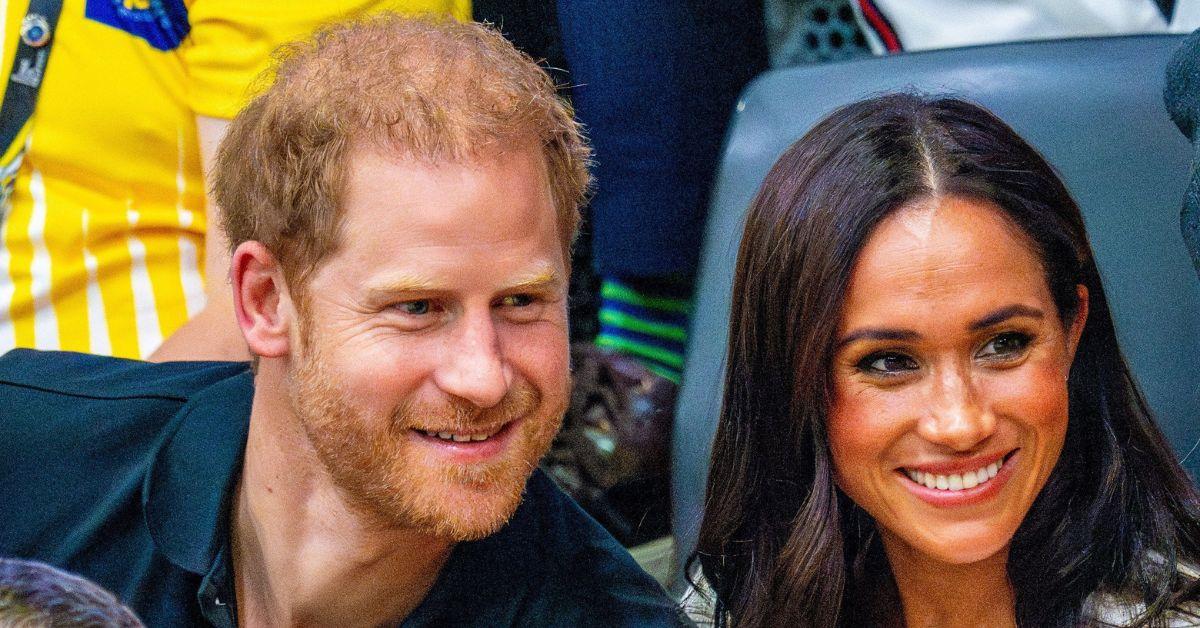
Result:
[113,111]
[401,203]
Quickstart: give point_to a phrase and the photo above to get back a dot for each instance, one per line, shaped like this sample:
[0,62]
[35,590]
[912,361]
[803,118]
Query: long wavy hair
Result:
[780,543]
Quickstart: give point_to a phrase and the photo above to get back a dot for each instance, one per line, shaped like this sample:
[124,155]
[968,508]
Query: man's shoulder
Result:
[595,579]
[58,408]
[79,438]
[27,372]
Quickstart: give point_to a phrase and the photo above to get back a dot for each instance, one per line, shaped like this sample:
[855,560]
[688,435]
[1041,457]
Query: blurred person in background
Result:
[36,595]
[112,114]
[1182,97]
[893,26]
[655,85]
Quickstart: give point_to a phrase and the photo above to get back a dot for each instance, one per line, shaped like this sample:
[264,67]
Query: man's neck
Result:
[301,555]
[934,593]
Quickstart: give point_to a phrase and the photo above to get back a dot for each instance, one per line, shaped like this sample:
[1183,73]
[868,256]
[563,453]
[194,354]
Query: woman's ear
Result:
[260,300]
[1075,331]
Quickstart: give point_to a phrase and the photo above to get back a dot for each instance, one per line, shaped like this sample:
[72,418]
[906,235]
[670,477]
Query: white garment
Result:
[1105,609]
[931,24]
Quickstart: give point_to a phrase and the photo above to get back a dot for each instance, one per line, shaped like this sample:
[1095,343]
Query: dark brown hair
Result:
[780,544]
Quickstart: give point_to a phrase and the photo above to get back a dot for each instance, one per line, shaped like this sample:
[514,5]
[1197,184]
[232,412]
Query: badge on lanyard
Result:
[35,30]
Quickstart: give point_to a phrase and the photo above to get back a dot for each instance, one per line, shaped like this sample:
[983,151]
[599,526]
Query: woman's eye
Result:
[887,364]
[1005,346]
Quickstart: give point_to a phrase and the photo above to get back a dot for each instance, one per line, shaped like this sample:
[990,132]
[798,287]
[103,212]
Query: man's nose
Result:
[474,368]
[958,417]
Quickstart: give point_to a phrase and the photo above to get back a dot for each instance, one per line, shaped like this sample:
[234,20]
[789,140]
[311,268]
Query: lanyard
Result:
[24,83]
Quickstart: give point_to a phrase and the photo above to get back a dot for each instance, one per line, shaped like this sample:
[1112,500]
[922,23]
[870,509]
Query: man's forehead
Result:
[385,145]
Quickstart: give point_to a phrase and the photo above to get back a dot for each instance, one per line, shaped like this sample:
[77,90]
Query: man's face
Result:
[431,368]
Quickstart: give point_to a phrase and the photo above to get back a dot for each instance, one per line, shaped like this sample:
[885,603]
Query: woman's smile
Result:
[959,482]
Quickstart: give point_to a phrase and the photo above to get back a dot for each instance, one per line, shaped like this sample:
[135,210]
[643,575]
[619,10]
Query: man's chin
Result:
[468,511]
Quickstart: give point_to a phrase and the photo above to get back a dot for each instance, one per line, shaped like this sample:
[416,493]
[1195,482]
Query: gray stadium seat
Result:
[1093,107]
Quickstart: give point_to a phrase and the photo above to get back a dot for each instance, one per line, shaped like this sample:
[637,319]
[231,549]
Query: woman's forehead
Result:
[935,253]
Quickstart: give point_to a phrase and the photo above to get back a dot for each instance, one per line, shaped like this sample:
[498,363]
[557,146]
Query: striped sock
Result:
[646,320]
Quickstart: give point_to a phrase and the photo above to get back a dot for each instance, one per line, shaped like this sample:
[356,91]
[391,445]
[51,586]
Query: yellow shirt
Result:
[103,248]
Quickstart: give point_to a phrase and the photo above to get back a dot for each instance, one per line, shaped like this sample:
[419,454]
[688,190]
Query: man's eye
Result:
[887,363]
[414,308]
[1008,345]
[517,300]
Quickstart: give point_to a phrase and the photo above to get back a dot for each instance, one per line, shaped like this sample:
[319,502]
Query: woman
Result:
[927,420]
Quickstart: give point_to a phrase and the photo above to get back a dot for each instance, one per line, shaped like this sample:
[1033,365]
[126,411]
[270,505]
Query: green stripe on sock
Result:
[617,292]
[664,372]
[668,358]
[633,323]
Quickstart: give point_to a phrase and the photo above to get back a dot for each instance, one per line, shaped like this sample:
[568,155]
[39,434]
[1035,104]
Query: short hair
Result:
[36,595]
[780,542]
[428,88]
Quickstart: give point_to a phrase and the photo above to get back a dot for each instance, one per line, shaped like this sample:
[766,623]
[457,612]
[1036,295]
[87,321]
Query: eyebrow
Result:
[878,333]
[1005,313]
[541,279]
[400,285]
[990,320]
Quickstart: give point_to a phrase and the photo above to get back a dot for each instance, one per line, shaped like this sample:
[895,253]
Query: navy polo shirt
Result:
[122,471]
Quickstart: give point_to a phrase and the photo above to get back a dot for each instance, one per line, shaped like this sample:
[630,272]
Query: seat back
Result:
[1093,107]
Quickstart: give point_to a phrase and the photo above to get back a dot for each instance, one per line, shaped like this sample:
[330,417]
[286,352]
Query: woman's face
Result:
[950,380]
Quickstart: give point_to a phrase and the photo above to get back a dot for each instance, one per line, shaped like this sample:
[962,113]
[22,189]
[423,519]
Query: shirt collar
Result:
[186,496]
[488,581]
[187,491]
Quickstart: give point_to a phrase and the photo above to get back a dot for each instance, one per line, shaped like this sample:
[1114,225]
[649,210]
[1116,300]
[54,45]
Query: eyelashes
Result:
[1003,348]
[887,363]
[1005,345]
[415,308]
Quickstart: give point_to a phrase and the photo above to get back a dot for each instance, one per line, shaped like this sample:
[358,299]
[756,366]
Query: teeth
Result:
[969,480]
[954,481]
[458,438]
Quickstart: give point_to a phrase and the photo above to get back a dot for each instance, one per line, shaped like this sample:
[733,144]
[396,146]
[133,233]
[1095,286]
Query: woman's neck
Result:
[936,593]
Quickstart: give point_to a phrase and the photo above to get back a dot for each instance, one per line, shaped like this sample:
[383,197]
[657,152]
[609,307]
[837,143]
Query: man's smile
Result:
[470,445]
[461,437]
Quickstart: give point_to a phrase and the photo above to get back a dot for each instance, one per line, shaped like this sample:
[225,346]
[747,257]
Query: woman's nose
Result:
[958,417]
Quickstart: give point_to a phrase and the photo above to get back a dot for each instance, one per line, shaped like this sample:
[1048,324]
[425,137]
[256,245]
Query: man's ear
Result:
[260,300]
[1075,331]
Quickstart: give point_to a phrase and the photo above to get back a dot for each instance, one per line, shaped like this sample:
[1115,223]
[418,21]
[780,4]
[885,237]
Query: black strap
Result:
[29,66]
[1167,7]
